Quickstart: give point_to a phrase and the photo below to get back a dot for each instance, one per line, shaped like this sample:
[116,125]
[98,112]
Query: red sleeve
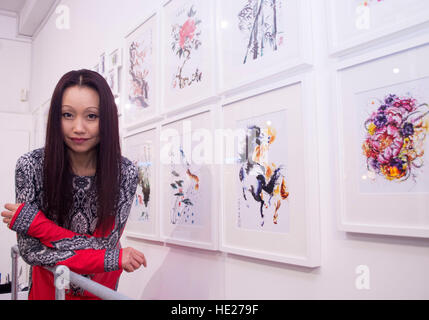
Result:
[29,220]
[89,261]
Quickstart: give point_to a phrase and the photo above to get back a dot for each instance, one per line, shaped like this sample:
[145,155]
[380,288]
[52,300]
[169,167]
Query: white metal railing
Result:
[62,277]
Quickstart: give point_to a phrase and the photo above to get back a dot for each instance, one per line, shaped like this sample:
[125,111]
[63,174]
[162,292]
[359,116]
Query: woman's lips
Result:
[78,141]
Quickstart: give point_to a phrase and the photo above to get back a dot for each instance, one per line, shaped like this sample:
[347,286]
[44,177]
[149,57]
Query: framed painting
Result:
[113,81]
[383,110]
[102,65]
[116,58]
[270,175]
[141,80]
[142,149]
[188,54]
[188,197]
[354,23]
[261,38]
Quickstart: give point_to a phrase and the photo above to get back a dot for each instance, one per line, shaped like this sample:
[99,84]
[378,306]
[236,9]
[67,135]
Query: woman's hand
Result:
[8,215]
[132,259]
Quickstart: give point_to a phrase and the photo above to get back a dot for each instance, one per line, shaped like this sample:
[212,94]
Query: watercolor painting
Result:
[185,43]
[184,190]
[262,174]
[113,81]
[395,126]
[261,27]
[143,159]
[140,70]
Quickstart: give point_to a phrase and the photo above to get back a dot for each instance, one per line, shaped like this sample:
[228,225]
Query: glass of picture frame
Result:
[270,175]
[116,58]
[140,95]
[259,39]
[383,117]
[142,148]
[187,182]
[102,65]
[354,23]
[188,58]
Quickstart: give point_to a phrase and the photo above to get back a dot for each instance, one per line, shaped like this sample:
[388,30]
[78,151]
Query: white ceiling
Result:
[30,14]
[12,5]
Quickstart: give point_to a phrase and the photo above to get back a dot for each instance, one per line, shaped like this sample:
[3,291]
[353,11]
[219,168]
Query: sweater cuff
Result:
[111,260]
[23,217]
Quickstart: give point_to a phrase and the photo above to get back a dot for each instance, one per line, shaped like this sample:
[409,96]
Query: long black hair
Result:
[57,177]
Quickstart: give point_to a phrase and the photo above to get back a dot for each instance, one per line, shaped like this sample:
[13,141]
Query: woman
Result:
[74,195]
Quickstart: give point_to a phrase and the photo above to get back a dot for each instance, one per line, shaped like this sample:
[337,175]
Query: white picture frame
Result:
[102,65]
[375,202]
[287,43]
[115,58]
[187,81]
[140,103]
[185,219]
[300,243]
[141,146]
[355,24]
[113,81]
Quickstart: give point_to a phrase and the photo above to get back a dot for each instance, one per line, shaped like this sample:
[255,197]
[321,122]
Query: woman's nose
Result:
[78,125]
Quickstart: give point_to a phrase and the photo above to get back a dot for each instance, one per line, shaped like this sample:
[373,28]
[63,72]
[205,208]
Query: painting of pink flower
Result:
[187,32]
[186,40]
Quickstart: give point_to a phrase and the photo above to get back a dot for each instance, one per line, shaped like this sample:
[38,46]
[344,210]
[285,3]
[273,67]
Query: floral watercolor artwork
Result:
[262,178]
[185,191]
[396,134]
[259,22]
[140,70]
[393,128]
[141,204]
[186,42]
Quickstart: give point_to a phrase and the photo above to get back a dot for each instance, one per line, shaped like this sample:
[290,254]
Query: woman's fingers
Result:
[7,214]
[132,259]
[140,257]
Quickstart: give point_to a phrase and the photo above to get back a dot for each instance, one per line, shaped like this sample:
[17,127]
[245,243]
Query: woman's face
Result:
[80,116]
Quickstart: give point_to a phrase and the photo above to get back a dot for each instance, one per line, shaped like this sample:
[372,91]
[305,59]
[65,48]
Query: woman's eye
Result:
[93,116]
[66,114]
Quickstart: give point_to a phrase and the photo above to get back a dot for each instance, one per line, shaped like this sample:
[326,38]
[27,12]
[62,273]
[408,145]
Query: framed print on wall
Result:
[113,81]
[102,65]
[141,87]
[188,197]
[142,149]
[188,54]
[270,177]
[116,58]
[257,39]
[383,109]
[357,22]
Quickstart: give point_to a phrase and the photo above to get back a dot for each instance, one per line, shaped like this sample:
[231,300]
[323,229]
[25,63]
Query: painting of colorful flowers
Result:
[395,141]
[185,44]
[264,193]
[258,22]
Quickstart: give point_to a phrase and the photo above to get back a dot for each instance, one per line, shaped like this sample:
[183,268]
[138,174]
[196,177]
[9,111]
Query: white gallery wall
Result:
[394,267]
[15,121]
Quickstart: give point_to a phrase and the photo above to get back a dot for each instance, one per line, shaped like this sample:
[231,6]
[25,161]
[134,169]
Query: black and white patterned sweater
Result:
[42,243]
